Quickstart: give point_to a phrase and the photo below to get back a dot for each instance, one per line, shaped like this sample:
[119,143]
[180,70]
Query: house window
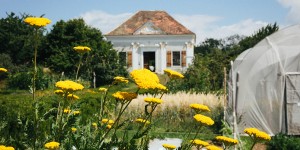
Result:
[176,58]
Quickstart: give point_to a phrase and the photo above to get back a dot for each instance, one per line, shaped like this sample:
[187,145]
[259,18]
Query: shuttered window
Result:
[183,58]
[129,59]
[169,59]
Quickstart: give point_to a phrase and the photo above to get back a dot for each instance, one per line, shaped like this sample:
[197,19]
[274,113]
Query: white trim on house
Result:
[160,44]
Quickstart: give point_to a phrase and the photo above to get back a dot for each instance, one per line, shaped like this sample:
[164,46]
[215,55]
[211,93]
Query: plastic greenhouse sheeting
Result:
[264,85]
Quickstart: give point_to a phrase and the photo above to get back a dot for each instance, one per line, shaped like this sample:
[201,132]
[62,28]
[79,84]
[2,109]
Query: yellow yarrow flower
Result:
[59,92]
[2,147]
[173,74]
[76,112]
[255,133]
[73,130]
[127,96]
[120,79]
[227,140]
[67,111]
[199,107]
[72,97]
[213,147]
[108,126]
[82,49]
[102,89]
[3,70]
[204,119]
[94,124]
[145,79]
[52,145]
[107,121]
[153,100]
[169,146]
[68,85]
[199,142]
[139,120]
[37,21]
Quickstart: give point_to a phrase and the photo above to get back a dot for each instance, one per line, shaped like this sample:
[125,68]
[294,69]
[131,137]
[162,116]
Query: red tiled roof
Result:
[160,19]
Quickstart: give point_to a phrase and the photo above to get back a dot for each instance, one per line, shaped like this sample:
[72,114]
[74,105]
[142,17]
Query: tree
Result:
[16,39]
[60,56]
[252,40]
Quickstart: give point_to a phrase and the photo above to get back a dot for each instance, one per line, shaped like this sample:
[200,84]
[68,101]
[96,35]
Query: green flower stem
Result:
[254,141]
[80,59]
[190,144]
[117,120]
[33,88]
[102,103]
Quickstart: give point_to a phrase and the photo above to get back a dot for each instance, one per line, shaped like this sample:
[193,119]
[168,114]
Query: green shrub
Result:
[284,142]
[23,80]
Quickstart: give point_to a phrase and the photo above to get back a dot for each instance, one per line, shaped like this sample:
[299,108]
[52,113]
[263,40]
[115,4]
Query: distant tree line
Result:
[55,50]
[212,55]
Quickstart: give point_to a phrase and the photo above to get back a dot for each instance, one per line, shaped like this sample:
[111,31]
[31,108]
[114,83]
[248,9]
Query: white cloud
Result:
[204,26]
[294,10]
[104,21]
[207,26]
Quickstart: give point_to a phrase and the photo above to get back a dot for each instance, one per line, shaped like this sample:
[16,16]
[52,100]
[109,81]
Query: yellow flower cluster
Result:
[73,130]
[127,96]
[82,49]
[227,140]
[120,79]
[37,21]
[213,147]
[153,100]
[173,74]
[68,85]
[139,120]
[102,89]
[2,147]
[67,111]
[204,119]
[94,124]
[3,70]
[76,112]
[145,79]
[59,92]
[72,97]
[199,107]
[169,146]
[199,142]
[253,132]
[52,145]
[107,121]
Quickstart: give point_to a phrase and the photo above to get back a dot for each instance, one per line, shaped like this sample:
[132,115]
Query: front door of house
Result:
[149,60]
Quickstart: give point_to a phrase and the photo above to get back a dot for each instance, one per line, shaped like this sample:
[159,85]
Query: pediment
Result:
[148,28]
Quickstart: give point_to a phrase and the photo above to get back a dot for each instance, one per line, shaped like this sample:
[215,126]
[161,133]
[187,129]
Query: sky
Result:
[206,18]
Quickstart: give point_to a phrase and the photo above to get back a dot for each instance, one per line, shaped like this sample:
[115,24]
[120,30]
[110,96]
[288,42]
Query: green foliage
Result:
[60,56]
[283,142]
[17,39]
[23,80]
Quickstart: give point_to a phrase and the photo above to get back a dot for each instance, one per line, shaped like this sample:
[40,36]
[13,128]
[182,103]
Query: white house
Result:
[154,40]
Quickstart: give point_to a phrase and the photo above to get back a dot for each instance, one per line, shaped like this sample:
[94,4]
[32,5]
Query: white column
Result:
[189,53]
[163,55]
[135,55]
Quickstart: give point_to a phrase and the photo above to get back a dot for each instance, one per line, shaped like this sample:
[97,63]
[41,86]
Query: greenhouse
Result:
[264,85]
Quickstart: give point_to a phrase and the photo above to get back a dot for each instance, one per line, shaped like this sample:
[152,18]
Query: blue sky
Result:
[207,18]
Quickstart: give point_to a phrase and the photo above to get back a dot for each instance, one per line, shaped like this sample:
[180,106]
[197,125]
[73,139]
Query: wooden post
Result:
[225,96]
